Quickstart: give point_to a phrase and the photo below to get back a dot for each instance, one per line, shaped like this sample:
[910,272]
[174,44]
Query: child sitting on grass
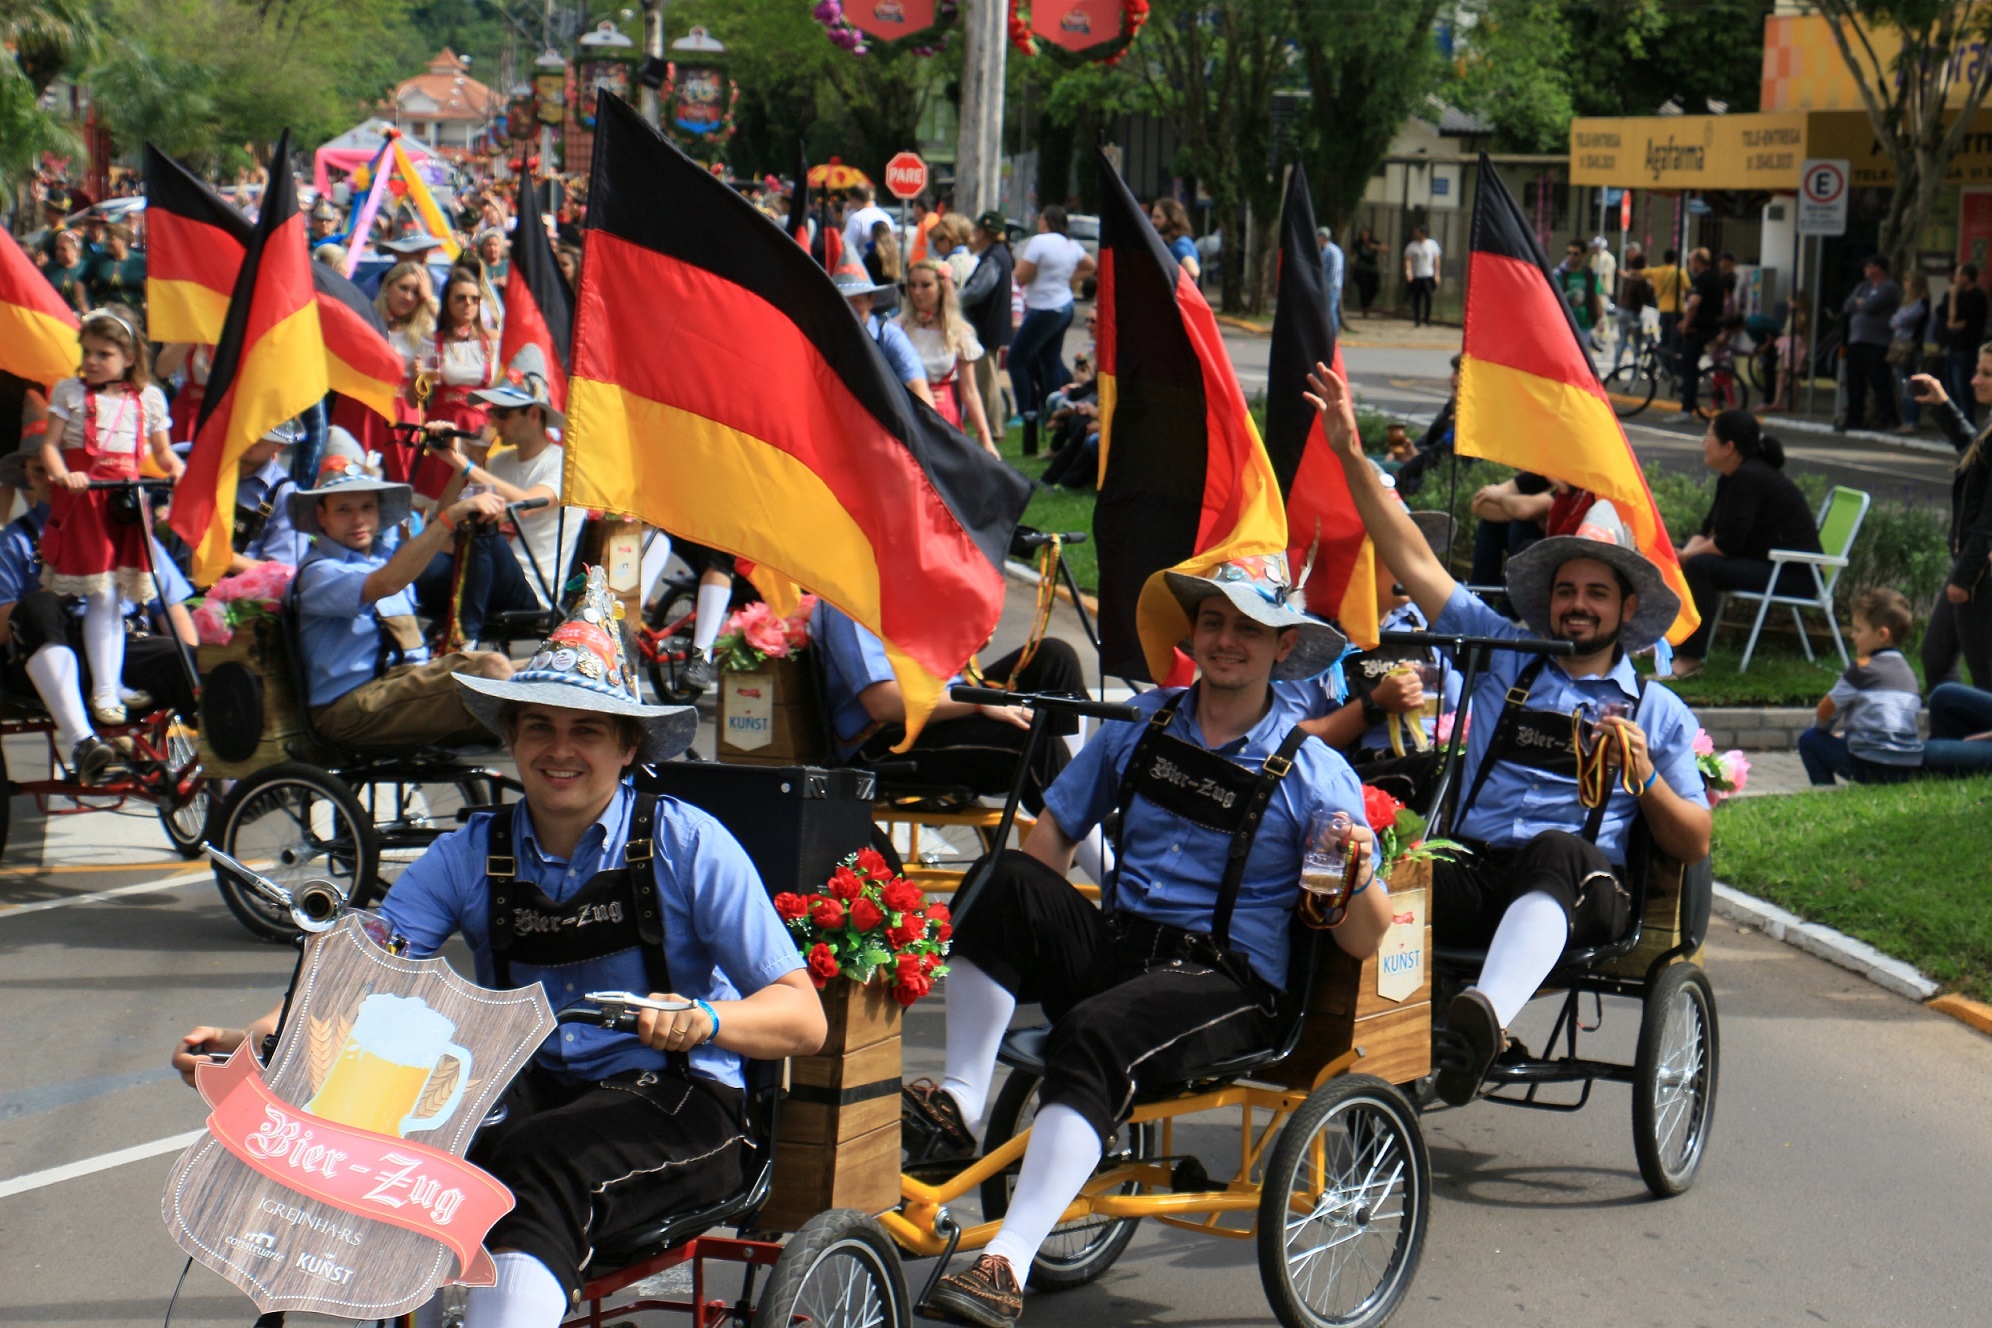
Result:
[1878,698]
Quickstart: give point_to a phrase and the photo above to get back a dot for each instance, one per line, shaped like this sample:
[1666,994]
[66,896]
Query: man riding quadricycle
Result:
[1233,964]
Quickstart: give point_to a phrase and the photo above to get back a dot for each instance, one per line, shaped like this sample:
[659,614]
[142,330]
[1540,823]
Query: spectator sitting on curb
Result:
[1879,698]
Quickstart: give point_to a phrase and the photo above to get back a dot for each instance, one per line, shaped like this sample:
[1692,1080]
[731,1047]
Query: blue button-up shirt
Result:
[853,659]
[722,937]
[1312,698]
[1333,264]
[278,540]
[1518,803]
[898,348]
[340,636]
[1169,868]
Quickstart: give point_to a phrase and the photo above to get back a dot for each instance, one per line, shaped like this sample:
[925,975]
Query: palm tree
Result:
[46,37]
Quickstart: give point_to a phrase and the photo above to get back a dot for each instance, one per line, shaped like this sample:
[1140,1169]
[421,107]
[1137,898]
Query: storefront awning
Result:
[1763,151]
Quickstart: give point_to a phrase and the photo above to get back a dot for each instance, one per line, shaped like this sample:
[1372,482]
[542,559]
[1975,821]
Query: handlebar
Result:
[157,486]
[1037,539]
[614,1010]
[1522,645]
[1071,705]
[527,505]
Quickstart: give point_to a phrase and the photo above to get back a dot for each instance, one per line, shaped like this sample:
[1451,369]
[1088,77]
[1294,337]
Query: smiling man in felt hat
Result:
[1547,870]
[588,885]
[369,680]
[1185,963]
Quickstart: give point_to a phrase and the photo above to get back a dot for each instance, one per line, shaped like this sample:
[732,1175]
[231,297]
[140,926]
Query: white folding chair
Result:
[1840,518]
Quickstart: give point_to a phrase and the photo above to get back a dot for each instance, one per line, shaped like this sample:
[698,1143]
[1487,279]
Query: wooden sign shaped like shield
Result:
[1401,959]
[334,1182]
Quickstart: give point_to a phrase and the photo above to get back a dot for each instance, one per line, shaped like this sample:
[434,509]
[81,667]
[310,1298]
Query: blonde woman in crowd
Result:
[946,345]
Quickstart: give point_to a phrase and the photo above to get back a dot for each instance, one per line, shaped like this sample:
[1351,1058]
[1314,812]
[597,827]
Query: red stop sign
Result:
[905,175]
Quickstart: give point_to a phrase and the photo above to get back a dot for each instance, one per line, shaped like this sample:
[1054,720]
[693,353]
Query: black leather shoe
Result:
[987,1294]
[930,1125]
[1468,1043]
[696,675]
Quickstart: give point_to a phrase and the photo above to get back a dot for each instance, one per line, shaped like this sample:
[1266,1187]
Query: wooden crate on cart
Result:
[252,715]
[771,715]
[838,1142]
[1382,1004]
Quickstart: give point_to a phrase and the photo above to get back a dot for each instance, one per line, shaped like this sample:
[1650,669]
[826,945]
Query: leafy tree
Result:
[1629,57]
[46,37]
[1513,65]
[1368,72]
[1908,95]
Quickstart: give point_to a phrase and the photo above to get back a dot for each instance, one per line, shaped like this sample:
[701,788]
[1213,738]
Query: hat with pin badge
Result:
[585,665]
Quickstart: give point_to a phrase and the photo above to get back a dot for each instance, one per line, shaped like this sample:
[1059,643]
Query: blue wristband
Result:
[1647,787]
[711,1014]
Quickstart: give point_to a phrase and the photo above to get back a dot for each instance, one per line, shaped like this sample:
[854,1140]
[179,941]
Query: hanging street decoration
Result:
[1076,32]
[865,27]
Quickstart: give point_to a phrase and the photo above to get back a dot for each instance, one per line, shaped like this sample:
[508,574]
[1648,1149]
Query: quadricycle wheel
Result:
[1344,1206]
[1674,1079]
[840,1271]
[294,823]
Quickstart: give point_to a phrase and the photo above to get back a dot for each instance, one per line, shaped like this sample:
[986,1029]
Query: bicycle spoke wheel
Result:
[1631,388]
[293,823]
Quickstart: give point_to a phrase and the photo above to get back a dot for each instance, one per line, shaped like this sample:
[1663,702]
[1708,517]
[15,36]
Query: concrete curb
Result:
[1962,1008]
[1817,939]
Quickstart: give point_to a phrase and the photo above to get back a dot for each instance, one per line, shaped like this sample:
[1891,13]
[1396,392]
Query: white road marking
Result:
[191,876]
[36,1180]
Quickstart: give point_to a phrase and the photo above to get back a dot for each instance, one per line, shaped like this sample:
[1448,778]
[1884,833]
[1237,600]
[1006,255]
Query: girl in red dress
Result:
[98,422]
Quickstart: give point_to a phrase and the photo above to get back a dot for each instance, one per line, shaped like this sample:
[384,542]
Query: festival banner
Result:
[334,1181]
[1322,522]
[269,364]
[37,329]
[193,250]
[425,202]
[827,472]
[1185,482]
[537,309]
[1528,394]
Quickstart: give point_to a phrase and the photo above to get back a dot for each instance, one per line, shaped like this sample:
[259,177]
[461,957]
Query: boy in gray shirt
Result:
[1877,700]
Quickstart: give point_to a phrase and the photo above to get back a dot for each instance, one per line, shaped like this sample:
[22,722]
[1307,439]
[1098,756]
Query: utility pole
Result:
[653,47]
[979,146]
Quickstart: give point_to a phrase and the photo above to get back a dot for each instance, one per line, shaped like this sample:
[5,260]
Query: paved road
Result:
[1847,1182]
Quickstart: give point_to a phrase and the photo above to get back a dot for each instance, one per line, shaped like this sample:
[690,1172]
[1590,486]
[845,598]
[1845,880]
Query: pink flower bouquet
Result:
[236,601]
[1725,775]
[753,635]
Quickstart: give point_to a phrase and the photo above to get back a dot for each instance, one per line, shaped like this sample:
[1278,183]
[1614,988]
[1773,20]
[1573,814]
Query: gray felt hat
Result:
[344,475]
[1259,587]
[585,665]
[1602,535]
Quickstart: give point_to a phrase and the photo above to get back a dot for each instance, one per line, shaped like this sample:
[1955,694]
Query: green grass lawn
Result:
[1779,676]
[1903,867]
[1057,509]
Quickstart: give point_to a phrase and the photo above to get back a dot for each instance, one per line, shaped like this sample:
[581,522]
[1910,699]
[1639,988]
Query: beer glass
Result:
[382,1072]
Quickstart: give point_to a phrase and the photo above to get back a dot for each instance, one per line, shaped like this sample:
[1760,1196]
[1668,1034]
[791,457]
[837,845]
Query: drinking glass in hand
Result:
[1328,870]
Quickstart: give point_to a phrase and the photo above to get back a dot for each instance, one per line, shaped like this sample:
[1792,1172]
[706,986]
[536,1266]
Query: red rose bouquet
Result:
[1400,832]
[867,923]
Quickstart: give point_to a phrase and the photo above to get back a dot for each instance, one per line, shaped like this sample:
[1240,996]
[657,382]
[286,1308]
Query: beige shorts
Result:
[412,705]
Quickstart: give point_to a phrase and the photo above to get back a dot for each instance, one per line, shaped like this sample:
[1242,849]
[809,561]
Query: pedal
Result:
[1189,1176]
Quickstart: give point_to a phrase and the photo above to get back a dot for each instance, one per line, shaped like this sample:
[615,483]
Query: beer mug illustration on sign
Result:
[383,1071]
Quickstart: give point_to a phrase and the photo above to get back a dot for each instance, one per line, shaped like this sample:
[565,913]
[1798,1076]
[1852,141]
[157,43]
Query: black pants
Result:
[981,753]
[1494,542]
[1368,280]
[1421,299]
[151,664]
[1960,631]
[588,1161]
[1132,1004]
[1867,369]
[1693,344]
[1076,465]
[1470,896]
[493,582]
[1709,574]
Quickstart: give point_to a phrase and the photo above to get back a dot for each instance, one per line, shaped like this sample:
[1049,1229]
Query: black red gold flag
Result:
[360,362]
[37,329]
[194,243]
[269,364]
[1321,514]
[759,418]
[1528,394]
[1185,482]
[537,310]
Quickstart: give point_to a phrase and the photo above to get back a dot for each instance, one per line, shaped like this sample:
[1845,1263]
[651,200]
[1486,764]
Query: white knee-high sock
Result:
[712,615]
[527,1295]
[103,641]
[1526,946]
[55,675]
[656,556]
[1062,1155]
[979,1011]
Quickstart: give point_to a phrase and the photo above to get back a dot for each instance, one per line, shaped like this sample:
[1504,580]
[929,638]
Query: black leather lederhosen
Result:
[617,909]
[1208,790]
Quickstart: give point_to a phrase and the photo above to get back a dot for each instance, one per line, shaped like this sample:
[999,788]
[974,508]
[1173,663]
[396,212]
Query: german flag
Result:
[1185,482]
[1528,394]
[1318,503]
[37,330]
[193,249]
[756,416]
[537,311]
[269,364]
[360,362]
[197,241]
